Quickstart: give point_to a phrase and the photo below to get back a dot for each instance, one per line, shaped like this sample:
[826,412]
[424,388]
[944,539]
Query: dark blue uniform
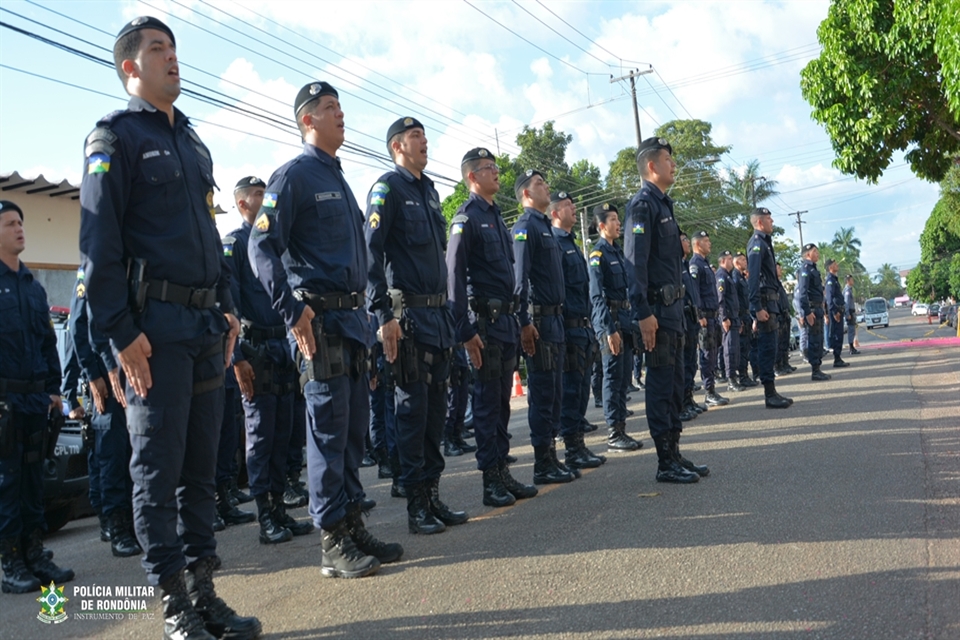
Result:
[808,297]
[746,322]
[147,194]
[480,263]
[540,290]
[729,301]
[835,308]
[764,294]
[611,313]
[783,335]
[706,283]
[406,240]
[851,310]
[309,237]
[579,357]
[268,415]
[691,327]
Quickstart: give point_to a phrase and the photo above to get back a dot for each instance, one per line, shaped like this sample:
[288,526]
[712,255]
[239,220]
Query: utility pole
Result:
[584,239]
[632,76]
[753,188]
[799,223]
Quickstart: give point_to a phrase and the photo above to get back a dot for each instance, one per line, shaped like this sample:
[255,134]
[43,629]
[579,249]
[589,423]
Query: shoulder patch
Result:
[270,200]
[374,220]
[456,228]
[228,242]
[81,290]
[638,228]
[596,254]
[98,163]
[520,235]
[262,223]
[459,219]
[100,140]
[381,189]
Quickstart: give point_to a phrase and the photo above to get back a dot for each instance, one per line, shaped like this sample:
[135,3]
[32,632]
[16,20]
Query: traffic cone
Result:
[517,386]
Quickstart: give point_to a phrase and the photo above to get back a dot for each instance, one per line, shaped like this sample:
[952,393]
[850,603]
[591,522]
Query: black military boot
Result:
[463,445]
[293,497]
[451,449]
[397,490]
[618,440]
[218,618]
[772,399]
[420,518]
[734,384]
[746,381]
[367,544]
[838,363]
[853,350]
[714,399]
[494,493]
[340,557]
[271,531]
[229,513]
[16,577]
[122,544]
[238,495]
[577,456]
[668,469]
[180,620]
[545,470]
[441,511]
[517,489]
[218,523]
[38,564]
[700,470]
[560,465]
[368,459]
[281,517]
[104,526]
[819,376]
[383,462]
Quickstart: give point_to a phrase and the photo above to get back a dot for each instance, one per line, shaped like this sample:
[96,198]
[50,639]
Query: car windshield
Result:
[876,306]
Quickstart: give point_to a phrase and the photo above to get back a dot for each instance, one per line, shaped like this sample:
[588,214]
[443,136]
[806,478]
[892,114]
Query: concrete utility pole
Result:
[632,76]
[584,236]
[799,224]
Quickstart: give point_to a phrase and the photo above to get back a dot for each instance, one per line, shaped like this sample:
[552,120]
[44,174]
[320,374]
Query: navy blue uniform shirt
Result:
[406,237]
[609,281]
[80,333]
[691,298]
[539,271]
[480,264]
[762,267]
[728,297]
[706,282]
[743,295]
[309,235]
[809,292]
[576,282]
[147,192]
[848,301]
[28,344]
[833,294]
[655,256]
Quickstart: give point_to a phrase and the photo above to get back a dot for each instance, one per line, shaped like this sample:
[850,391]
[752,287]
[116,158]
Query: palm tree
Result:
[846,243]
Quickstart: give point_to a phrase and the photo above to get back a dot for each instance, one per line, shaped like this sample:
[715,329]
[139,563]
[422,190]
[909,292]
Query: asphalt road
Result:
[838,518]
[904,326]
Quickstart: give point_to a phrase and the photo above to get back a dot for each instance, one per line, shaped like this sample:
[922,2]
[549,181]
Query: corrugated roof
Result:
[16,182]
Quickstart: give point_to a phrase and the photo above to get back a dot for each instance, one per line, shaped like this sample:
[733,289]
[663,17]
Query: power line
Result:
[529,13]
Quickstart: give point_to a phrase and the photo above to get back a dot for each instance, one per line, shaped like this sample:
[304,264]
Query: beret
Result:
[725,254]
[146,22]
[761,211]
[6,205]
[476,154]
[701,234]
[831,261]
[402,125]
[654,143]
[809,246]
[524,178]
[606,207]
[250,181]
[557,196]
[311,92]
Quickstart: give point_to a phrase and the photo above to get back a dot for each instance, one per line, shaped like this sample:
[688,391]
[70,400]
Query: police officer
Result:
[611,314]
[835,313]
[481,289]
[266,378]
[29,393]
[147,230]
[110,490]
[765,302]
[310,214]
[746,320]
[407,291]
[540,293]
[851,309]
[579,352]
[808,297]
[706,283]
[655,258]
[458,393]
[691,328]
[729,319]
[782,365]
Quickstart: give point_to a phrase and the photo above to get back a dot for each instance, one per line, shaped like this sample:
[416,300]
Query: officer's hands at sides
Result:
[391,333]
[614,342]
[726,324]
[837,316]
[703,322]
[116,384]
[474,346]
[232,334]
[100,393]
[245,378]
[810,318]
[528,339]
[762,316]
[56,405]
[77,414]
[134,360]
[303,332]
[648,331]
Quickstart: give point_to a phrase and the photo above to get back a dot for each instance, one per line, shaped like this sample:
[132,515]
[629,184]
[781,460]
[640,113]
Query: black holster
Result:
[334,356]
[405,369]
[577,358]
[136,284]
[773,323]
[265,370]
[544,357]
[51,434]
[664,353]
[708,337]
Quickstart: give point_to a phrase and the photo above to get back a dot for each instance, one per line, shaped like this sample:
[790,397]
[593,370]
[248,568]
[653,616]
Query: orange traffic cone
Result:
[517,386]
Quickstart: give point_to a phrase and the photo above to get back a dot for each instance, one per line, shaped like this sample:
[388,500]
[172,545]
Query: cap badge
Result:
[482,153]
[562,194]
[529,172]
[606,206]
[407,122]
[314,89]
[136,22]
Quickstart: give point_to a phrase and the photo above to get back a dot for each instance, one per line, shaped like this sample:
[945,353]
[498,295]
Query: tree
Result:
[545,150]
[623,179]
[744,191]
[937,276]
[788,255]
[888,79]
[888,282]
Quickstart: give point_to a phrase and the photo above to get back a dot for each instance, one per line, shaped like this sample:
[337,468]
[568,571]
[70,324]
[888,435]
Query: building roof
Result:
[14,182]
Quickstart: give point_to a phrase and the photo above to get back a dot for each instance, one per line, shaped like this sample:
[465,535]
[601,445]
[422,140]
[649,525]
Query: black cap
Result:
[146,22]
[740,254]
[725,254]
[476,153]
[762,211]
[830,261]
[701,234]
[557,196]
[606,207]
[654,143]
[6,205]
[809,246]
[311,92]
[250,181]
[402,125]
[524,178]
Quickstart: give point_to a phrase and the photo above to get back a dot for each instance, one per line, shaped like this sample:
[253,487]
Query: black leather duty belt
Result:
[257,333]
[708,314]
[166,291]
[10,385]
[576,323]
[617,305]
[491,306]
[414,301]
[331,301]
[547,309]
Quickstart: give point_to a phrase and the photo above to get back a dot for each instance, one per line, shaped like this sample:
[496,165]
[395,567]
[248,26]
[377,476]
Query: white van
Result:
[875,313]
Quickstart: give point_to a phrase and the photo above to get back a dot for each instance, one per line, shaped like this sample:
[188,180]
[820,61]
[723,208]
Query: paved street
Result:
[838,518]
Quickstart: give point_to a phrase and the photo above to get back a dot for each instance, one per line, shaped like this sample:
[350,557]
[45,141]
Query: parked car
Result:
[875,313]
[919,309]
[933,310]
[944,314]
[952,316]
[859,315]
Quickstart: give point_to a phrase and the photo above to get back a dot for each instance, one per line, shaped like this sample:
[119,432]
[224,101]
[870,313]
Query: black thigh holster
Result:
[335,356]
[664,353]
[545,356]
[772,324]
[576,358]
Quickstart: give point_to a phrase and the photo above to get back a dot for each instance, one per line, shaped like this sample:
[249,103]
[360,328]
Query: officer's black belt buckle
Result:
[166,291]
[547,309]
[332,301]
[415,301]
[493,308]
[668,294]
[616,305]
[576,323]
[10,385]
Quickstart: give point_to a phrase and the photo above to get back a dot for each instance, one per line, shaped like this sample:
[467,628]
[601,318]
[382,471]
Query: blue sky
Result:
[472,82]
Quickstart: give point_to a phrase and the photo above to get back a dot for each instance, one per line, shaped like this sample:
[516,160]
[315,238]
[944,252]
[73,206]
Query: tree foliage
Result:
[938,274]
[887,80]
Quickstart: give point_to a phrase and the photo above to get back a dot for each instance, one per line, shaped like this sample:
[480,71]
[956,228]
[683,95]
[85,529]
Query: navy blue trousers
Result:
[268,420]
[544,396]
[378,409]
[690,352]
[227,466]
[815,340]
[457,396]
[491,411]
[708,358]
[767,349]
[731,349]
[21,483]
[108,460]
[298,436]
[836,336]
[616,377]
[664,391]
[421,411]
[596,379]
[576,387]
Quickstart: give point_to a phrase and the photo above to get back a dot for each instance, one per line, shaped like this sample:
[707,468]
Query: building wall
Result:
[52,228]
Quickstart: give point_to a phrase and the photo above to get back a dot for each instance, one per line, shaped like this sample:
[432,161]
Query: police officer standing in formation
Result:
[155,275]
[579,352]
[540,293]
[691,331]
[481,286]
[267,379]
[706,283]
[307,249]
[729,307]
[29,393]
[765,302]
[808,297]
[851,309]
[655,257]
[611,318]
[407,290]
[782,365]
[746,320]
[835,313]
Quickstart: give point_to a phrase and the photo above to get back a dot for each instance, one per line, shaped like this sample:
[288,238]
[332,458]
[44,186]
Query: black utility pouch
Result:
[406,366]
[663,354]
[773,324]
[492,369]
[543,358]
[708,337]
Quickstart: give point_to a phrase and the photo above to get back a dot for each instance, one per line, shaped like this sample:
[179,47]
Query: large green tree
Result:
[887,282]
[887,80]
[938,274]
